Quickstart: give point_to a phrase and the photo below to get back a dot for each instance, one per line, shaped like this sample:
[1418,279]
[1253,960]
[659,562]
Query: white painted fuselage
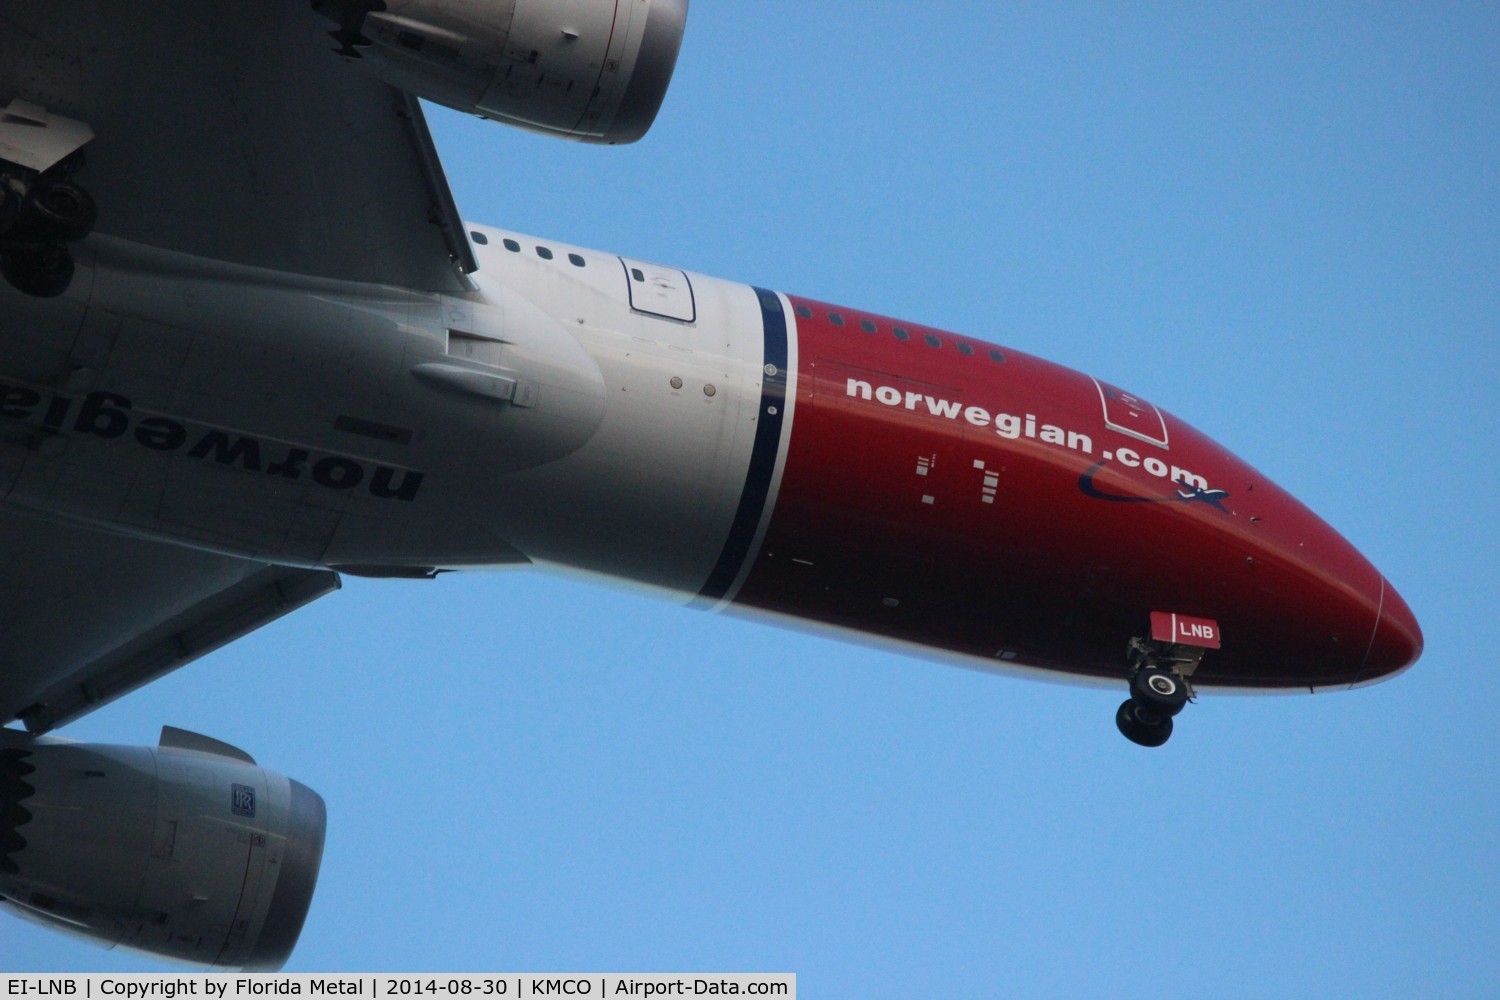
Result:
[537,418]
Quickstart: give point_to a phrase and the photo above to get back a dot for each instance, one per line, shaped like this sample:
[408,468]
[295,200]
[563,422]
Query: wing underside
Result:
[231,131]
[86,616]
[228,131]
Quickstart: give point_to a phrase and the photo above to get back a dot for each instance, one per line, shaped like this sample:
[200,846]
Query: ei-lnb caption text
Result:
[510,985]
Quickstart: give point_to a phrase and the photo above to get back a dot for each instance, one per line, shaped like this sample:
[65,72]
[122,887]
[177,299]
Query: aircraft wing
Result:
[87,616]
[232,131]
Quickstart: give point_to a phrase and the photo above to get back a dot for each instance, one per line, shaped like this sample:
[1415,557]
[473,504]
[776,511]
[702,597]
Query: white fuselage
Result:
[537,418]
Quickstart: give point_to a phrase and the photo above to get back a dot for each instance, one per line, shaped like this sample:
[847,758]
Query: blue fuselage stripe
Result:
[762,454]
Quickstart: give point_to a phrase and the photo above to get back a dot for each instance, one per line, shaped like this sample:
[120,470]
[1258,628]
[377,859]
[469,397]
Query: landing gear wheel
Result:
[1161,692]
[1141,726]
[43,270]
[61,210]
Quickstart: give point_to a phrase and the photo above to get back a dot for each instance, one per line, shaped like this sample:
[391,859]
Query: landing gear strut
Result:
[40,215]
[1160,665]
[41,209]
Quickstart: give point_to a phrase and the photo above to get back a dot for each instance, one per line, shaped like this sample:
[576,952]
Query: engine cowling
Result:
[591,70]
[188,850]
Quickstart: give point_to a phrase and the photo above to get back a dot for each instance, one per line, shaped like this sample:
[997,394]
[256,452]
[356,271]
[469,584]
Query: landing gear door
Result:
[659,291]
[32,138]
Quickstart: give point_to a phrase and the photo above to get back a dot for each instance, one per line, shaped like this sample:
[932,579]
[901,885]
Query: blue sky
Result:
[1279,223]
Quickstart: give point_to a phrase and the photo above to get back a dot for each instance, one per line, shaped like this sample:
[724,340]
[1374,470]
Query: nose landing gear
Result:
[1159,669]
[1157,694]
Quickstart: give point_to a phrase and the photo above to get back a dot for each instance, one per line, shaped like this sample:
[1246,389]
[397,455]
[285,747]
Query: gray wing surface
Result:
[86,616]
[232,131]
[229,131]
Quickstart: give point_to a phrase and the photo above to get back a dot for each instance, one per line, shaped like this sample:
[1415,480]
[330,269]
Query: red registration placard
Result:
[1184,630]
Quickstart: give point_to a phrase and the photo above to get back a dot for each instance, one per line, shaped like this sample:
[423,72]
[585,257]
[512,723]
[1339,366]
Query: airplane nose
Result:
[1397,642]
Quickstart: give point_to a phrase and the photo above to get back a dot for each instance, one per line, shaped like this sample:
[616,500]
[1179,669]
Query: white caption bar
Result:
[228,986]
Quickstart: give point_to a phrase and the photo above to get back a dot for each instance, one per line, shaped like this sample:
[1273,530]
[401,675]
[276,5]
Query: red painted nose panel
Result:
[993,506]
[1398,639]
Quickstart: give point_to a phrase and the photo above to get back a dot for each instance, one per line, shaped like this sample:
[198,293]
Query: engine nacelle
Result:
[592,70]
[187,850]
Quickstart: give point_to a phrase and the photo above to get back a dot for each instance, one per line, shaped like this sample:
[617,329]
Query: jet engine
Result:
[592,70]
[188,850]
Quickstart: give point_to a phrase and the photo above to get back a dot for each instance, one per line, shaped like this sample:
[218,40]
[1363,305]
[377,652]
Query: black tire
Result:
[1159,691]
[44,271]
[1140,727]
[60,210]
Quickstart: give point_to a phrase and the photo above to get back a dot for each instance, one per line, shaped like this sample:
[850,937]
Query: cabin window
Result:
[544,253]
[837,319]
[512,246]
[931,340]
[965,349]
[575,260]
[804,312]
[867,326]
[997,357]
[479,238]
[900,333]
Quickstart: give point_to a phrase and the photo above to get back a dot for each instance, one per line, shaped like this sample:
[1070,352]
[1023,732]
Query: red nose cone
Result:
[1397,642]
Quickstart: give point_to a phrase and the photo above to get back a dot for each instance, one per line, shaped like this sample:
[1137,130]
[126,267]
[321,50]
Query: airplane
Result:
[251,347]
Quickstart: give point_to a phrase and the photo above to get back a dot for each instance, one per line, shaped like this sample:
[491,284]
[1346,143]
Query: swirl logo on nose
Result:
[1186,492]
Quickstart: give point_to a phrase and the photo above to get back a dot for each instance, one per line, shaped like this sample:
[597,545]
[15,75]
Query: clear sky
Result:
[1280,224]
